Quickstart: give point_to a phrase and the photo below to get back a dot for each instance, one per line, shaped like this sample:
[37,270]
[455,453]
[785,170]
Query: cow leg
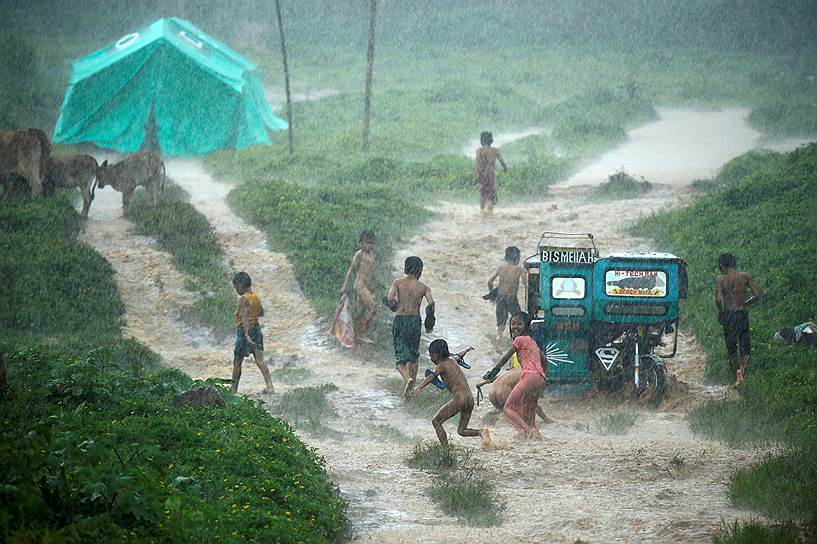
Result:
[155,188]
[86,200]
[126,196]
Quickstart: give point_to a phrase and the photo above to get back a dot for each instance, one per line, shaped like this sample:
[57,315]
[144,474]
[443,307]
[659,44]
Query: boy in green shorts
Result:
[404,298]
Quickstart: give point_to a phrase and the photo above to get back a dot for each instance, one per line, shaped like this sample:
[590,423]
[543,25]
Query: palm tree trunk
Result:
[286,74]
[367,97]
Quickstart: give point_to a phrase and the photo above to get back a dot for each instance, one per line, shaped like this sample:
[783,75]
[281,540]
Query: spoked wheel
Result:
[653,383]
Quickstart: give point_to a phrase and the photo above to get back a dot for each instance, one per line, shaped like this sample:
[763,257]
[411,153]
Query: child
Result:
[501,388]
[363,265]
[506,298]
[248,337]
[521,404]
[730,296]
[404,298]
[462,401]
[485,164]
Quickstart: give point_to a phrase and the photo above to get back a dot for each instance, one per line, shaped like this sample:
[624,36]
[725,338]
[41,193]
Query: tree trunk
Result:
[367,97]
[286,74]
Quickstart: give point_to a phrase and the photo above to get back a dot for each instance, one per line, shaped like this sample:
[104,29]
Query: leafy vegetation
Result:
[93,450]
[306,407]
[617,423]
[762,215]
[621,185]
[184,232]
[460,488]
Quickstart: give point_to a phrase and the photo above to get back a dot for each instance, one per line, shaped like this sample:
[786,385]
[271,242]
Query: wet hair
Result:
[512,254]
[727,260]
[367,236]
[439,347]
[525,319]
[486,138]
[242,278]
[413,266]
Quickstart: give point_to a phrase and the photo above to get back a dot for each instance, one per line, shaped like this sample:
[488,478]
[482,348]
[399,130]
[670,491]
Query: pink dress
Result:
[524,396]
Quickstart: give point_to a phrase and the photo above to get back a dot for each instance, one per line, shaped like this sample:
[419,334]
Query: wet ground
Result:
[576,483]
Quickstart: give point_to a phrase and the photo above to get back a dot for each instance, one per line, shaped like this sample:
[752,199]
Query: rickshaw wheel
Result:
[653,385]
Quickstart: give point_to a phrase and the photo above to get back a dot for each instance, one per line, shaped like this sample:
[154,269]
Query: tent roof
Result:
[207,52]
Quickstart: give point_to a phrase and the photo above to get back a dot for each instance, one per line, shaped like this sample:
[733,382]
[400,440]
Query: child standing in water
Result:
[521,404]
[462,400]
[248,337]
[485,164]
[507,302]
[366,306]
[404,298]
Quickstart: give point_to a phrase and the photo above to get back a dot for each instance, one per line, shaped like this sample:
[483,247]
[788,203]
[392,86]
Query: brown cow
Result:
[145,168]
[72,171]
[24,153]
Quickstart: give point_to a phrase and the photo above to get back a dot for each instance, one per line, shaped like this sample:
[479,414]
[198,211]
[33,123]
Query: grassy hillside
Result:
[90,446]
[764,210]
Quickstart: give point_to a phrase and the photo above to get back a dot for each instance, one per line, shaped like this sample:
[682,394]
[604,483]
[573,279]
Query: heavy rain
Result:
[380,271]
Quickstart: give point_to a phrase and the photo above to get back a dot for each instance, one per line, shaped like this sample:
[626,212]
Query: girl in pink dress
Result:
[520,408]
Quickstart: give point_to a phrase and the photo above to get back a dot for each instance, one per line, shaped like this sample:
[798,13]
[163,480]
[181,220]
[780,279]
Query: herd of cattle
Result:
[27,167]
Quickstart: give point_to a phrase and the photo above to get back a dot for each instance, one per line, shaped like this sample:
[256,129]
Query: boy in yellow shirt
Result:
[248,337]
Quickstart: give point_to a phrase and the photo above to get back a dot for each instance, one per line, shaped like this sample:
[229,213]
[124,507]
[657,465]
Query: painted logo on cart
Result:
[556,355]
[635,283]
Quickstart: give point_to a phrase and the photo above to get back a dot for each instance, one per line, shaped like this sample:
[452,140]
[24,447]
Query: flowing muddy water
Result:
[575,484]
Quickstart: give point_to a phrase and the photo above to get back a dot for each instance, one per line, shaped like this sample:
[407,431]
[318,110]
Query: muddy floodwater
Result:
[574,484]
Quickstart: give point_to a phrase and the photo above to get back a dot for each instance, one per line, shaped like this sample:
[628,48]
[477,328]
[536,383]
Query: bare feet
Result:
[268,390]
[486,438]
[408,388]
[533,434]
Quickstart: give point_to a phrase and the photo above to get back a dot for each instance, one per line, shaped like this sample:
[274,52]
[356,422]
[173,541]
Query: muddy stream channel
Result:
[576,483]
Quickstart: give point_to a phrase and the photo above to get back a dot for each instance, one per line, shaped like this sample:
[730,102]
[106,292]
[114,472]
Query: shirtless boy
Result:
[462,400]
[730,296]
[507,302]
[501,388]
[363,266]
[404,299]
[485,165]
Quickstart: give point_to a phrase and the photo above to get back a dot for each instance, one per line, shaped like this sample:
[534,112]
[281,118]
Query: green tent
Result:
[187,90]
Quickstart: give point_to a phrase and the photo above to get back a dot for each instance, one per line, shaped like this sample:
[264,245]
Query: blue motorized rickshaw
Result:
[600,319]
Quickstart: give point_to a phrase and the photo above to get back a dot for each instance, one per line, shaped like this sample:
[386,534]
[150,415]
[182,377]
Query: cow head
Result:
[101,171]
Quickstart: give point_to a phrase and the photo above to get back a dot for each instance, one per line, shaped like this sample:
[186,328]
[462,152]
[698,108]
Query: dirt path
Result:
[575,484]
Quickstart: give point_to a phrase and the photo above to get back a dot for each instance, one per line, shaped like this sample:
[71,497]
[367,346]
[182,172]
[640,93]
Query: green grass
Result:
[92,449]
[617,423]
[753,532]
[290,373]
[469,497]
[761,210]
[184,232]
[460,488]
[306,408]
[424,405]
[621,185]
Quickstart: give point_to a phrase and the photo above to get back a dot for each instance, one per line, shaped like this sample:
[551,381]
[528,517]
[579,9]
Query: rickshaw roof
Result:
[643,256]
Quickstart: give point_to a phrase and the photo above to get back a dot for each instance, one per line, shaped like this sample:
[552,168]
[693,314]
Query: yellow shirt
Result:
[253,311]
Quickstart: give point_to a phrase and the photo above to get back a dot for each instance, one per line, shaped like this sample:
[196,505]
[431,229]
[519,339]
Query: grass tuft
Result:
[469,497]
[617,423]
[306,407]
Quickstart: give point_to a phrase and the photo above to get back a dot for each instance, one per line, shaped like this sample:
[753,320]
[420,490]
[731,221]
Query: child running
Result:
[448,370]
[485,165]
[521,404]
[507,302]
[248,337]
[362,265]
[404,298]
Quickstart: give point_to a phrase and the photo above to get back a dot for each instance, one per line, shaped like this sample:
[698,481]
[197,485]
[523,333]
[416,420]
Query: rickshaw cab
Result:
[560,303]
[599,319]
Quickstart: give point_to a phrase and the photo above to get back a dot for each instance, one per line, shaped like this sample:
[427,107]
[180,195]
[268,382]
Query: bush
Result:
[93,450]
[621,185]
